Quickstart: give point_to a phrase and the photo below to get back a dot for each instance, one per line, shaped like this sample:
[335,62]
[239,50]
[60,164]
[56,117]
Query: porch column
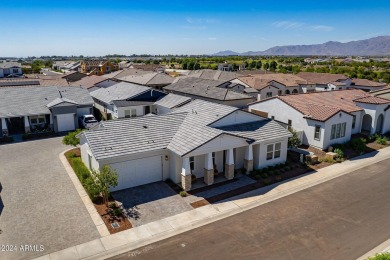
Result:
[229,164]
[4,128]
[208,169]
[186,174]
[248,160]
[26,125]
[51,122]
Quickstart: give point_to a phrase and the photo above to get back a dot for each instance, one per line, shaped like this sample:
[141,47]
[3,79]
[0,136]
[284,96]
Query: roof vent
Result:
[145,126]
[107,148]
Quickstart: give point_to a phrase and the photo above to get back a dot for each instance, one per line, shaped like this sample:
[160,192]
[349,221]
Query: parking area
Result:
[41,205]
[150,202]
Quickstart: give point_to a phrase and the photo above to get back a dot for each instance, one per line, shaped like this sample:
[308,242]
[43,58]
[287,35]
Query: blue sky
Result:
[97,27]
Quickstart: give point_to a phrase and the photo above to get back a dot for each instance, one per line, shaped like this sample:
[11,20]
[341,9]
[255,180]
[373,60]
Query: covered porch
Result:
[25,124]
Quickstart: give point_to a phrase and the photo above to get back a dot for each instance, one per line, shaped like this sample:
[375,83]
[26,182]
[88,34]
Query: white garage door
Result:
[65,122]
[138,172]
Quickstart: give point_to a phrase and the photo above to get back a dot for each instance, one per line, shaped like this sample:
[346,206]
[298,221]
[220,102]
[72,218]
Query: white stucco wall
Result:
[260,151]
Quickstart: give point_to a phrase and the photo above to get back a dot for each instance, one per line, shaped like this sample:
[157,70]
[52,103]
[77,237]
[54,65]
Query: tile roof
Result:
[149,79]
[59,100]
[129,103]
[172,100]
[321,78]
[94,63]
[181,131]
[120,91]
[10,64]
[205,88]
[214,74]
[260,81]
[134,135]
[323,105]
[367,83]
[28,82]
[372,100]
[383,93]
[88,82]
[20,101]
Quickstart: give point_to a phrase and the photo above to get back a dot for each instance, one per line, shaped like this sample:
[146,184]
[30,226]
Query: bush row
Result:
[83,174]
[6,139]
[30,136]
[275,170]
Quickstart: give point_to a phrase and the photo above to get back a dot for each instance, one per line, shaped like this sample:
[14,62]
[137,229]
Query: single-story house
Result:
[23,110]
[314,81]
[209,90]
[199,139]
[383,93]
[124,100]
[154,80]
[367,85]
[94,82]
[328,117]
[170,102]
[10,69]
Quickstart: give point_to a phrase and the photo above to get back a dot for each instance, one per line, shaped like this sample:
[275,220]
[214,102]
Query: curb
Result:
[122,242]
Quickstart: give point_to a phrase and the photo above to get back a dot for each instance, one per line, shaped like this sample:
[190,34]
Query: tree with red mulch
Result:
[104,179]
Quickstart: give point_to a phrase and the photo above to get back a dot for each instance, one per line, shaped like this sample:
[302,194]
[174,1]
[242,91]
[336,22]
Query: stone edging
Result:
[97,220]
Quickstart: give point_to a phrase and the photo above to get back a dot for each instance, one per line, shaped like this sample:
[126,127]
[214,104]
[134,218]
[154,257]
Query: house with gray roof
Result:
[24,110]
[197,140]
[170,102]
[124,100]
[10,69]
[210,90]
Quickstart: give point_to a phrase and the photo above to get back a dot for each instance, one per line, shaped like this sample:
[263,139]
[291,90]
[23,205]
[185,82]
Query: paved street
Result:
[41,205]
[341,219]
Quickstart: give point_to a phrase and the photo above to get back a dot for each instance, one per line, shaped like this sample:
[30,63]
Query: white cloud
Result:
[212,38]
[292,25]
[191,20]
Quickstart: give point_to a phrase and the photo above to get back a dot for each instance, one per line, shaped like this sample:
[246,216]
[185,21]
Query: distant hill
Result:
[378,46]
[226,53]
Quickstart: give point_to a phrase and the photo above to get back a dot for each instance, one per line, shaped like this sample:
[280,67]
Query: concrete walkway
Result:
[131,239]
[382,248]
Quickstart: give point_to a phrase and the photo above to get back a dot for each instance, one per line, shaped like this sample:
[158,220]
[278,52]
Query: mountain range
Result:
[377,46]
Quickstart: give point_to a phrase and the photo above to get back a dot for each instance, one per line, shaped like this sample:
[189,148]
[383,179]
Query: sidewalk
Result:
[382,248]
[134,238]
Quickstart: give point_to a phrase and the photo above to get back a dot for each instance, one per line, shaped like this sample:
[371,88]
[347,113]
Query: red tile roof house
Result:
[328,117]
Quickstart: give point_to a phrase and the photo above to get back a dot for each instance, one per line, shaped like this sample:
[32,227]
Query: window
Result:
[36,120]
[338,131]
[280,92]
[353,122]
[317,132]
[15,71]
[272,117]
[213,156]
[273,151]
[192,163]
[270,151]
[289,123]
[130,113]
[269,94]
[108,68]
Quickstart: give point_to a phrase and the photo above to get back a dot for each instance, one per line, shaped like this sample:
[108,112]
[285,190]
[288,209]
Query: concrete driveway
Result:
[150,202]
[41,205]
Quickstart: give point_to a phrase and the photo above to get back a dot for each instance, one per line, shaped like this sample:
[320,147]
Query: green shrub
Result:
[6,139]
[183,193]
[359,145]
[71,139]
[340,153]
[270,173]
[264,175]
[327,160]
[287,168]
[257,177]
[117,212]
[113,205]
[382,256]
[267,181]
[381,140]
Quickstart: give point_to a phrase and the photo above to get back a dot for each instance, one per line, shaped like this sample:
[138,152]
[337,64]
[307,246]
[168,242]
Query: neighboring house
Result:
[214,74]
[199,139]
[66,66]
[209,90]
[97,67]
[10,69]
[124,64]
[367,85]
[28,82]
[152,79]
[225,67]
[124,100]
[147,67]
[314,82]
[383,93]
[170,102]
[328,118]
[23,110]
[94,82]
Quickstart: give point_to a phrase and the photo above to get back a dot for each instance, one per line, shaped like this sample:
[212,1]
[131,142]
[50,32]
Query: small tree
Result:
[71,139]
[294,140]
[104,180]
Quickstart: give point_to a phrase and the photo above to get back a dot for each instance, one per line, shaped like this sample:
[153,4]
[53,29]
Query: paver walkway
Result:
[155,231]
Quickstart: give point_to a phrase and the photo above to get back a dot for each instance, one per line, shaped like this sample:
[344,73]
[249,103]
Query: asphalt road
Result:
[341,219]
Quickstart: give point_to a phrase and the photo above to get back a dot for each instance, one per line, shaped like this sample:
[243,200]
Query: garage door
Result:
[138,172]
[65,122]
